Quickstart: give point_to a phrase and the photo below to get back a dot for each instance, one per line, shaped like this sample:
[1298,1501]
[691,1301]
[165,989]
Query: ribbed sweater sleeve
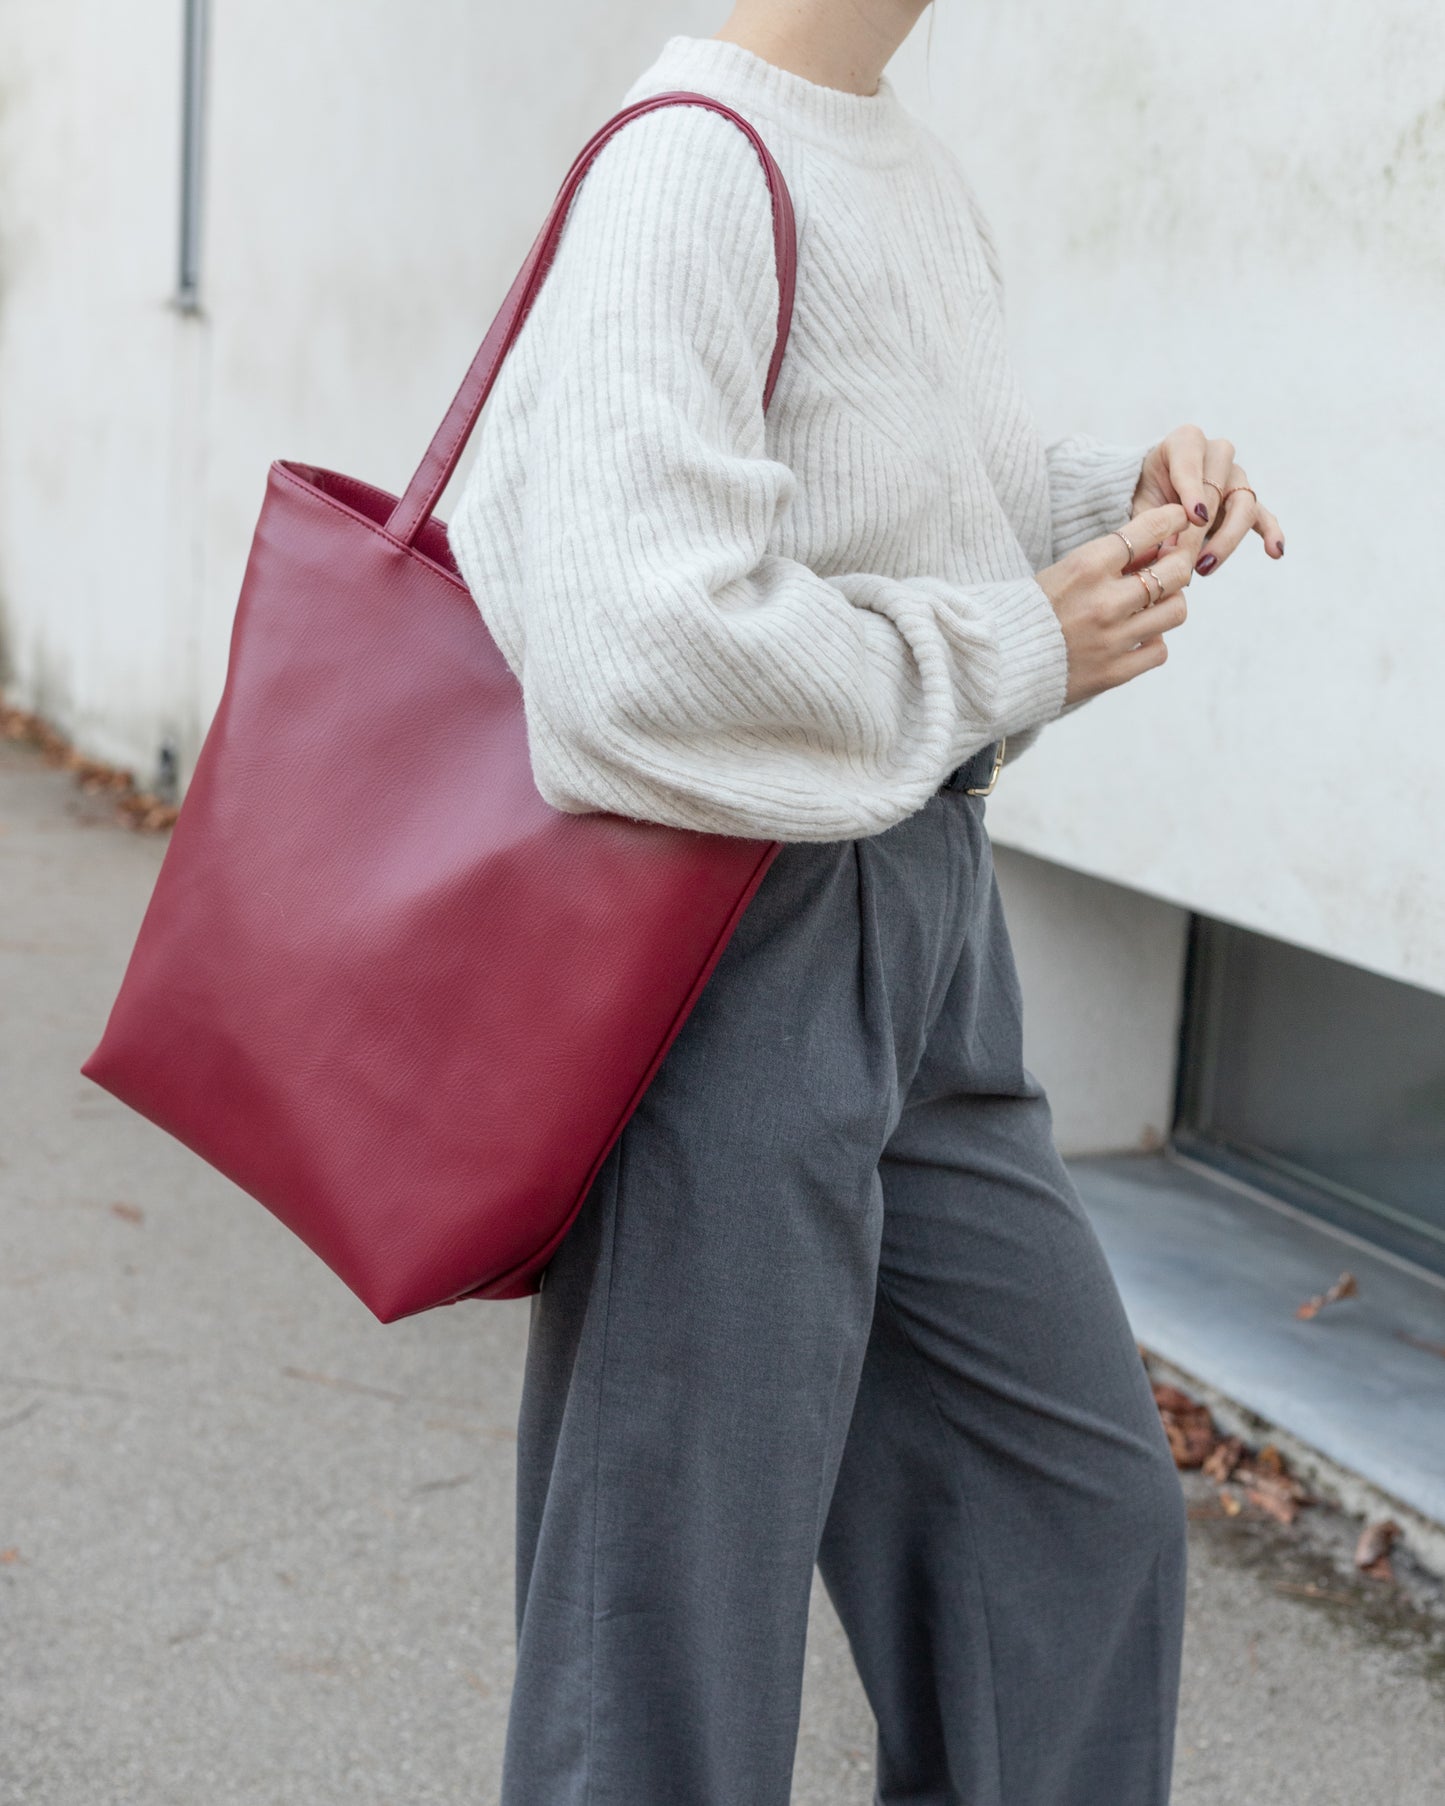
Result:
[674,667]
[1091,488]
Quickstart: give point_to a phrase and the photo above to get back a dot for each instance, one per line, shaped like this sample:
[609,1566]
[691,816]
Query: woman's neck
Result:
[837,46]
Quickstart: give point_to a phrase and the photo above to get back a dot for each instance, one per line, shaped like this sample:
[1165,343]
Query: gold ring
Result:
[1236,489]
[1132,554]
[1150,596]
[1214,486]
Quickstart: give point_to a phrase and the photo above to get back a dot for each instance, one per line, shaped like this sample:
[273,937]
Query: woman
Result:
[833,1296]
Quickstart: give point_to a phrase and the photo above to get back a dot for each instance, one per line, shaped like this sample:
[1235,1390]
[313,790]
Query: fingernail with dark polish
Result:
[1201,511]
[1206,564]
[1279,547]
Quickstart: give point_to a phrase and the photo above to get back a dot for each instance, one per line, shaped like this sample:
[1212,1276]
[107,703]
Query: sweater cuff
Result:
[1091,488]
[1033,658]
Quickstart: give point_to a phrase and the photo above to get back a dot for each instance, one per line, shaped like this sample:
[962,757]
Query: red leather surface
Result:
[380,983]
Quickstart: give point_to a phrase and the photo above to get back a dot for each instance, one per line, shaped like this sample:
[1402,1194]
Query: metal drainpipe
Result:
[193,121]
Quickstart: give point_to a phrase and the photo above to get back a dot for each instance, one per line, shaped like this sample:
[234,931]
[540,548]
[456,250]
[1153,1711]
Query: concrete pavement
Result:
[255,1548]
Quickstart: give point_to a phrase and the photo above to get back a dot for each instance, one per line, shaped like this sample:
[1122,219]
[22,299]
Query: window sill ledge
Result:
[1211,1274]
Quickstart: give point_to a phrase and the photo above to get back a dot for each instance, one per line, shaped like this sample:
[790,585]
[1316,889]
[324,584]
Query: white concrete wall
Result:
[1241,222]
[1102,971]
[1238,218]
[378,172]
[374,175]
[90,360]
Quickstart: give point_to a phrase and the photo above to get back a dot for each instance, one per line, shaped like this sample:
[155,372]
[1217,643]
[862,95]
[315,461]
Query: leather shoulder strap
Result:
[442,455]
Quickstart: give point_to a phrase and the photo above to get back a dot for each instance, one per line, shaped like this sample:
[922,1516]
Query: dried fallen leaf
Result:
[134,808]
[128,1213]
[1274,1499]
[9,1556]
[1170,1398]
[1346,1286]
[1187,1424]
[1265,1470]
[1375,1544]
[1224,1457]
[1266,1467]
[143,811]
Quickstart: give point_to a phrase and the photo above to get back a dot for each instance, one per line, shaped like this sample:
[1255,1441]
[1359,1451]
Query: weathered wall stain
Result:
[1253,135]
[1376,193]
[1238,218]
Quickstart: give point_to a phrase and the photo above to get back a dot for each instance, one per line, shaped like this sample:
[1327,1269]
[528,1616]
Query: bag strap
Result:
[434,472]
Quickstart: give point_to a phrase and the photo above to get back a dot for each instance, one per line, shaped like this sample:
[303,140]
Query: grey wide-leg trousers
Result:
[833,1298]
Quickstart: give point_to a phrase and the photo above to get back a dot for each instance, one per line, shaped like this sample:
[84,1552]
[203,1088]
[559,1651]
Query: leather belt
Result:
[979,773]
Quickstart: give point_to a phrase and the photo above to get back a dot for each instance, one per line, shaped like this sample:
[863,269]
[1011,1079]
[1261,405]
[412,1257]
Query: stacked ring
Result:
[1150,596]
[1129,544]
[1236,489]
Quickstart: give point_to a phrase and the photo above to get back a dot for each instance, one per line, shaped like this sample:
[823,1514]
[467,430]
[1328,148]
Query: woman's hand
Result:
[1116,602]
[1199,473]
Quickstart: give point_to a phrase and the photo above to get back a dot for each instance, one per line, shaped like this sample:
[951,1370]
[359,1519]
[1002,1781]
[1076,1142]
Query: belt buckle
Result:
[987,789]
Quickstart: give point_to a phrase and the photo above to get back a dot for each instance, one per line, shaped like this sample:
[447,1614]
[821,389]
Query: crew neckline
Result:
[873,127]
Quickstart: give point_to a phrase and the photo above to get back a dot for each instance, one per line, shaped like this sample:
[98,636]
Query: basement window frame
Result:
[1197,1135]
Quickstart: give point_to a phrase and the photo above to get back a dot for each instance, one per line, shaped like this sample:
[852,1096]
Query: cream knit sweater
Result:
[793,626]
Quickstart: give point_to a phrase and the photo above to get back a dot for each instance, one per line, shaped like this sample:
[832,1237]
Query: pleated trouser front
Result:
[833,1298]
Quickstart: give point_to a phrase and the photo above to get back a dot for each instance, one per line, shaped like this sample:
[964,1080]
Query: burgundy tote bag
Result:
[380,983]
